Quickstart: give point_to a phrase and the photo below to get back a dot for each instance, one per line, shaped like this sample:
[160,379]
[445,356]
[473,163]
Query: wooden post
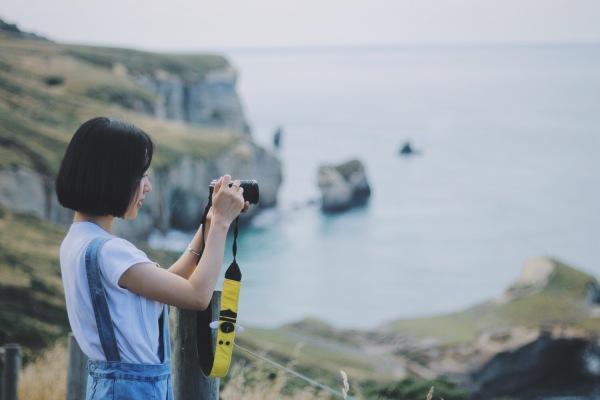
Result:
[1,373]
[12,366]
[77,371]
[189,383]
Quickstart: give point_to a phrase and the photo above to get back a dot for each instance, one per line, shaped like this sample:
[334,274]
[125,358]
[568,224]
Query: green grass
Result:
[188,66]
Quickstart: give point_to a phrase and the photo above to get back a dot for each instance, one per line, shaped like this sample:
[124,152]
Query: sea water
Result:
[509,169]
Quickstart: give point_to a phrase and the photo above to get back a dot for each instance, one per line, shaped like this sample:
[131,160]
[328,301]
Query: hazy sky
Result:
[199,24]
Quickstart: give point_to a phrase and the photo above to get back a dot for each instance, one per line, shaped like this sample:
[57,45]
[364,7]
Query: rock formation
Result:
[208,100]
[343,186]
[407,150]
[554,364]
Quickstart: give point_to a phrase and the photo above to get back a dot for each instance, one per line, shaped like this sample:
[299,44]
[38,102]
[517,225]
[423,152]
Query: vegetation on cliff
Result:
[48,89]
[32,308]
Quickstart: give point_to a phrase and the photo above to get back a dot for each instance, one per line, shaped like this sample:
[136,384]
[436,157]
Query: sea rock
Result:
[343,186]
[407,150]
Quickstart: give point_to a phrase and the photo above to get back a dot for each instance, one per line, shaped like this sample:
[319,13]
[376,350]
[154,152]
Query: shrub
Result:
[54,80]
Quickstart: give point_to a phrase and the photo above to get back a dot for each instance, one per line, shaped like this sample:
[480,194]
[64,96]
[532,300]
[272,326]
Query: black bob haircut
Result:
[103,166]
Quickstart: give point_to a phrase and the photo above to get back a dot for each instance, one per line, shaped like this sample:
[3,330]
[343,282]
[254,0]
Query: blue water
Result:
[510,170]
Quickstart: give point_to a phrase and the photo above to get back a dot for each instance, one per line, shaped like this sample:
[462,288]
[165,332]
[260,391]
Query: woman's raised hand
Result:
[227,200]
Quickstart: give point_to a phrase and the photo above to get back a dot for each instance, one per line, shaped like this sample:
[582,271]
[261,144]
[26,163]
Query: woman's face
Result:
[138,199]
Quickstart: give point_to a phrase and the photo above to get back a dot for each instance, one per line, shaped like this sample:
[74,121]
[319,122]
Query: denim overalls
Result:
[113,379]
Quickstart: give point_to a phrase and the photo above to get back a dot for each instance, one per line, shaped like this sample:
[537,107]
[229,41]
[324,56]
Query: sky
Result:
[178,25]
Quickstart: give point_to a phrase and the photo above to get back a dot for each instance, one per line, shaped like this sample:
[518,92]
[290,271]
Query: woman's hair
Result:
[103,166]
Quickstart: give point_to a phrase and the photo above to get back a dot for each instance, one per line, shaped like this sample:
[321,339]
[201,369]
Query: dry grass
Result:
[346,385]
[45,378]
[257,382]
[430,394]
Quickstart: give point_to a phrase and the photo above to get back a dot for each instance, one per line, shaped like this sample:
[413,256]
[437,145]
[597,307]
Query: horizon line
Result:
[337,46]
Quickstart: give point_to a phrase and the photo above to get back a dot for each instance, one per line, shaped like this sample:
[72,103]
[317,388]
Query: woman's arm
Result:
[194,293]
[186,263]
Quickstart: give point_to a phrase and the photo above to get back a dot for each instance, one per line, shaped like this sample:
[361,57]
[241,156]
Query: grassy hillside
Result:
[32,307]
[560,301]
[47,90]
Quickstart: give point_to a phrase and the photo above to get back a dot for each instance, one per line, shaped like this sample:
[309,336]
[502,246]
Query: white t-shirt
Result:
[135,318]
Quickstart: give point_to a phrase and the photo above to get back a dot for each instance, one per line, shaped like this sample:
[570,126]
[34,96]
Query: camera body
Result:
[250,186]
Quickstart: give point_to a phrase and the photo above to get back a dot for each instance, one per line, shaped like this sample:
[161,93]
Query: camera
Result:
[250,187]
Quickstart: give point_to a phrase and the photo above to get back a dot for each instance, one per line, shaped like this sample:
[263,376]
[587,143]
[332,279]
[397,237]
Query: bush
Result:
[54,80]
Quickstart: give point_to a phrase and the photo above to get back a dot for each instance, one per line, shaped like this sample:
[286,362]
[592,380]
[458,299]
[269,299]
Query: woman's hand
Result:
[211,212]
[227,201]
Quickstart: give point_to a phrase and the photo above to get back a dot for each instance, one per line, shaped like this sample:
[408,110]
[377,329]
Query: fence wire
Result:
[298,375]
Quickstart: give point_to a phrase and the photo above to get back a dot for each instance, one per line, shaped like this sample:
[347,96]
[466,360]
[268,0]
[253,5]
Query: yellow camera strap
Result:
[226,324]
[217,353]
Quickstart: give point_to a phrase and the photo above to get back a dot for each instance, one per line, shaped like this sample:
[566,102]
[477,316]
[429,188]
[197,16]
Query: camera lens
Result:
[251,193]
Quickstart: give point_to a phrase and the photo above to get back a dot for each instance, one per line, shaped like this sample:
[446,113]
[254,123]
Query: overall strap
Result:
[164,343]
[103,320]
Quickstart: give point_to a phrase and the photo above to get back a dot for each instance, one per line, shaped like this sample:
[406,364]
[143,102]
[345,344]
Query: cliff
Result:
[196,89]
[187,103]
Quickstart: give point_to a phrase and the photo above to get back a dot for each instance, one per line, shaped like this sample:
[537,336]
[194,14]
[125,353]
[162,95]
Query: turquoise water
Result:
[510,170]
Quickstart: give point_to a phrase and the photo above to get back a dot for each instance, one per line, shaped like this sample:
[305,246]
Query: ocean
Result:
[509,170]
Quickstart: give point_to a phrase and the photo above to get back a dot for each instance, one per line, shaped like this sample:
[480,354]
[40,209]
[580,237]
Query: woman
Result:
[116,296]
